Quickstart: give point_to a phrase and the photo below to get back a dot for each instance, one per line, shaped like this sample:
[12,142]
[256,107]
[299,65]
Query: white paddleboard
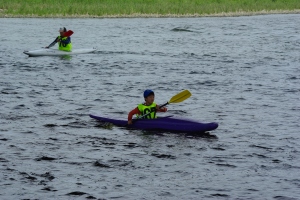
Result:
[56,52]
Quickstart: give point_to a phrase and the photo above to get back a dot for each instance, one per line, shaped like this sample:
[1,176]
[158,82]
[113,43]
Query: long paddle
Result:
[68,33]
[175,99]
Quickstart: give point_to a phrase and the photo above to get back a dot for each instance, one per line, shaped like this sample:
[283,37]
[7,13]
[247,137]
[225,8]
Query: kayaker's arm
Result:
[163,109]
[131,113]
[53,43]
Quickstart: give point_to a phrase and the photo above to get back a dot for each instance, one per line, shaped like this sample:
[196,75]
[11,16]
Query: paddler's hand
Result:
[129,122]
[163,109]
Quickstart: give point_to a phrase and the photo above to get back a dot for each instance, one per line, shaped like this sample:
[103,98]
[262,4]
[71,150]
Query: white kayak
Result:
[56,52]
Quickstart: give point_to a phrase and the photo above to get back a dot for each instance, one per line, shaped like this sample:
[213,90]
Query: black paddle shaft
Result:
[163,105]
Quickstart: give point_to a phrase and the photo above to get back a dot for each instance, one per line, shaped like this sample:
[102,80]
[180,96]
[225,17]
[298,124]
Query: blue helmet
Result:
[147,93]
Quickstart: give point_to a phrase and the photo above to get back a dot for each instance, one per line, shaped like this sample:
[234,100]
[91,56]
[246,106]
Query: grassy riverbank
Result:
[144,8]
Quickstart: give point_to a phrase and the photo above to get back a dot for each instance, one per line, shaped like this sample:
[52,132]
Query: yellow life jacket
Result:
[62,46]
[146,109]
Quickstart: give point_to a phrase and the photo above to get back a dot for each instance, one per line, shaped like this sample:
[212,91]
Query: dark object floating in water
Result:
[76,193]
[45,158]
[181,29]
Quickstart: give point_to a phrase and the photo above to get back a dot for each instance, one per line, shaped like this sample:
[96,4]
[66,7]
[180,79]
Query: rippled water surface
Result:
[243,73]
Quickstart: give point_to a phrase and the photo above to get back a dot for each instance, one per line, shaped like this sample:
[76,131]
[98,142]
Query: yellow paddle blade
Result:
[180,96]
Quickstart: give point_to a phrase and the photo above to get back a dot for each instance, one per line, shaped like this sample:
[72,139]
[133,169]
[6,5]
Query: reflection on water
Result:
[243,73]
[66,57]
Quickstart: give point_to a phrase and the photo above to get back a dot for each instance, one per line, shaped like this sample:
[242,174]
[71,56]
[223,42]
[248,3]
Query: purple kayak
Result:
[168,123]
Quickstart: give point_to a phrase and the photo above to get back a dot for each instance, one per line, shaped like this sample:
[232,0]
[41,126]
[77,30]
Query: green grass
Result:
[127,8]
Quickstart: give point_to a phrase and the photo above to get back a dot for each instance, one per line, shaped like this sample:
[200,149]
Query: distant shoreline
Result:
[140,15]
[144,8]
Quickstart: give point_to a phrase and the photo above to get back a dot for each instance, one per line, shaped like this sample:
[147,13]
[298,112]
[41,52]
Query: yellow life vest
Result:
[62,46]
[146,109]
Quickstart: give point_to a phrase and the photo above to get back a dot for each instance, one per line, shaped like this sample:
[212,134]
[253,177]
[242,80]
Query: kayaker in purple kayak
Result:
[149,106]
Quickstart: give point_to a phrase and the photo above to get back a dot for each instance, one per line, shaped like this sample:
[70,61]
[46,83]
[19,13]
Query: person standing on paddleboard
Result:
[149,106]
[64,40]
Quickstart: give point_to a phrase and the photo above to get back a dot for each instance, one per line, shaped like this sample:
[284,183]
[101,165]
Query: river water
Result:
[243,73]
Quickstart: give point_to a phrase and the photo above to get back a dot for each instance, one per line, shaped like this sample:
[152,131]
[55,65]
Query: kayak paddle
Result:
[175,99]
[68,33]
